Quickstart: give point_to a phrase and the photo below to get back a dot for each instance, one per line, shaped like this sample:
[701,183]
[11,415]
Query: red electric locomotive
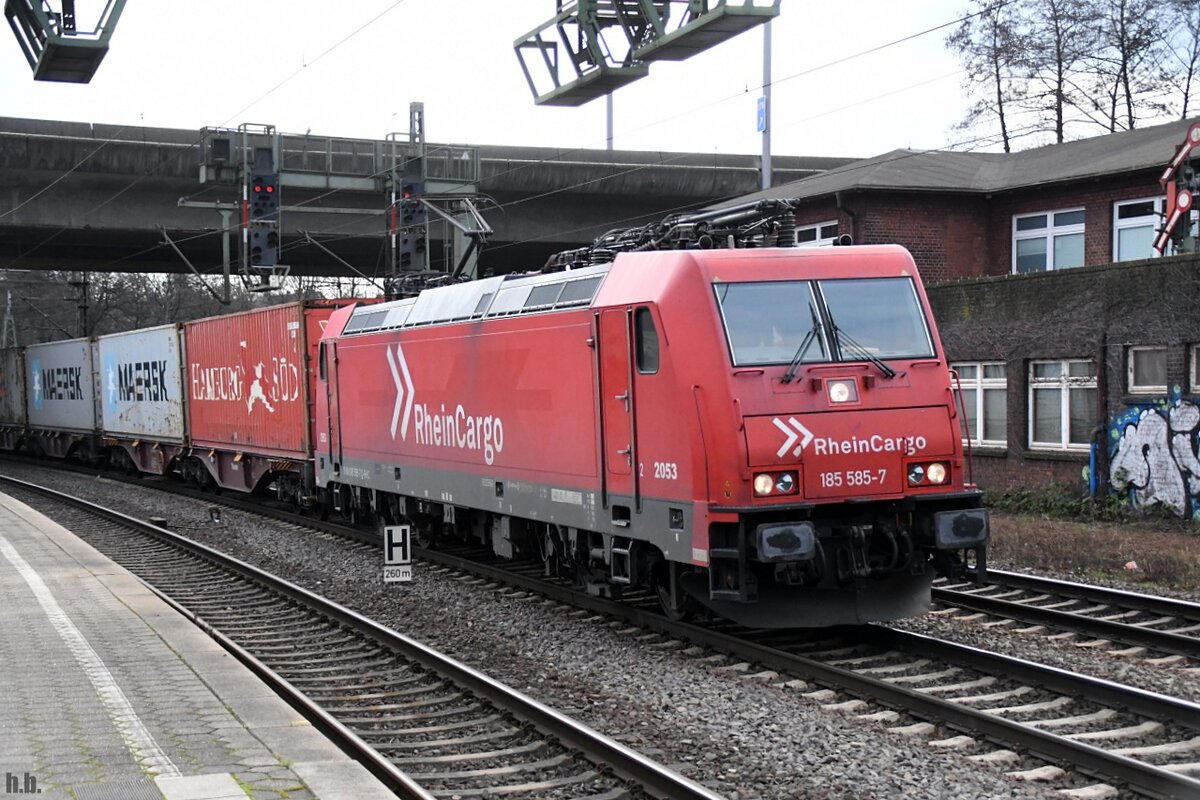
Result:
[770,433]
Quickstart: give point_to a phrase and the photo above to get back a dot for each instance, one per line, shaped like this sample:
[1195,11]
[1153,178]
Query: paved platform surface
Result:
[106,693]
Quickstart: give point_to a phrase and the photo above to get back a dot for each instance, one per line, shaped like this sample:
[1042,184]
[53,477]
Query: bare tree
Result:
[1125,74]
[987,44]
[1181,57]
[1061,33]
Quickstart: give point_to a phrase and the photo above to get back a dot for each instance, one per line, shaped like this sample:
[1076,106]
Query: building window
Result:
[1194,357]
[1048,240]
[1062,404]
[984,395]
[1147,370]
[1135,225]
[820,233]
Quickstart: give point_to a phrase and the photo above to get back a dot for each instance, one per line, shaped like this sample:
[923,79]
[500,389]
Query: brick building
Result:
[1078,349]
[965,215]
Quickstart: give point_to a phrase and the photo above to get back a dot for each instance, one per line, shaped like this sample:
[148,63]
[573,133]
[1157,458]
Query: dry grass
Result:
[1167,554]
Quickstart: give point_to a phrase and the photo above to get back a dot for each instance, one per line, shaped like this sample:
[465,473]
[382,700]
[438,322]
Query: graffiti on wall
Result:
[1152,455]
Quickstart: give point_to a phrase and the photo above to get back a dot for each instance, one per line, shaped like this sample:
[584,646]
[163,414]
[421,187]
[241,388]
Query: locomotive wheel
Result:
[677,606]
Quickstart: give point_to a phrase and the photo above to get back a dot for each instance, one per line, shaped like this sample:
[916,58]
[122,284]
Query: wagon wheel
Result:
[423,534]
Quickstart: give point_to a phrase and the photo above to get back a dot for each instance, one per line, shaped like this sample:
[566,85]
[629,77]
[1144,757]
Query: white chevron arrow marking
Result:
[404,391]
[795,432]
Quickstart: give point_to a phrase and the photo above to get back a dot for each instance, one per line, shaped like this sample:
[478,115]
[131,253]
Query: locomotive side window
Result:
[879,316]
[646,339]
[321,367]
[771,322]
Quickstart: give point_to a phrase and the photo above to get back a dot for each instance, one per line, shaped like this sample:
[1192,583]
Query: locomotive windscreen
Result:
[880,316]
[781,322]
[768,322]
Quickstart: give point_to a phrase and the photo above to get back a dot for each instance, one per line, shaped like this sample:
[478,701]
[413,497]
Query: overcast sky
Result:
[224,62]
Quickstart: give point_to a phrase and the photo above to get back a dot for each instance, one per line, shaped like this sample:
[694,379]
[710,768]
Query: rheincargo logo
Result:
[908,445]
[459,430]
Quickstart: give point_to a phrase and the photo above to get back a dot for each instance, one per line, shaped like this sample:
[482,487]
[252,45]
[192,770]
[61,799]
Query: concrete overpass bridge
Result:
[77,196]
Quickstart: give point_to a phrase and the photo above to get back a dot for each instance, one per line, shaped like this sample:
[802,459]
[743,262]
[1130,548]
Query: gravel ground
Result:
[743,738]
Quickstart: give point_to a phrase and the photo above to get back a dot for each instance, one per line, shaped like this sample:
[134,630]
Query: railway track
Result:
[1034,721]
[1140,622]
[425,724]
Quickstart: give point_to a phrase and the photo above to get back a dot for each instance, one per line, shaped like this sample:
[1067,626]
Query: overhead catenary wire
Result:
[559,156]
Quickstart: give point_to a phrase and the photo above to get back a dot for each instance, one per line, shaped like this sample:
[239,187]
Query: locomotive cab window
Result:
[878,317]
[646,337]
[321,361]
[771,322]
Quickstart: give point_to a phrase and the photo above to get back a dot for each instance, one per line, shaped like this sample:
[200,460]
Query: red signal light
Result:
[270,188]
[257,188]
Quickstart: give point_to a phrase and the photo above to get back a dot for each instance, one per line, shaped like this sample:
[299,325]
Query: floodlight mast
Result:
[591,47]
[53,44]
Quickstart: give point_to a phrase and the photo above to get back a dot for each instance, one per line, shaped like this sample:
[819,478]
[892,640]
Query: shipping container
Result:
[249,389]
[12,398]
[141,384]
[60,386]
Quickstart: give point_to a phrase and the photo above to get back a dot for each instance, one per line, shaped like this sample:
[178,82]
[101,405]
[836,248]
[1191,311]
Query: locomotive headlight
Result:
[763,483]
[916,473]
[784,482]
[936,473]
[842,392]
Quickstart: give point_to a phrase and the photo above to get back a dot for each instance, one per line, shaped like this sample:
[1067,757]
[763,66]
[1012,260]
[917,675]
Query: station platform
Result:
[107,693]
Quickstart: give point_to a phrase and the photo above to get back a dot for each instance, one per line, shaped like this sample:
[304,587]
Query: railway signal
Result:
[1179,181]
[263,223]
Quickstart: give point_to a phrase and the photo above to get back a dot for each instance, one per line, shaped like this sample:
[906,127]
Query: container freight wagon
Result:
[13,418]
[61,398]
[141,397]
[249,390]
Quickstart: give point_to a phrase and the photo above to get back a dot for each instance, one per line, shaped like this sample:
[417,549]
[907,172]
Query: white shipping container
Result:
[60,386]
[141,384]
[12,388]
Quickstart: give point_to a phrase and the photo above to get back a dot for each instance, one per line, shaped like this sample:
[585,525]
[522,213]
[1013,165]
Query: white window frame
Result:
[1155,220]
[1135,388]
[1048,233]
[1064,383]
[817,226]
[981,384]
[1194,371]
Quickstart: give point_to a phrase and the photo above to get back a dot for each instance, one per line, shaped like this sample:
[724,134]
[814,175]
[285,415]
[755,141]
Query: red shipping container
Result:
[248,380]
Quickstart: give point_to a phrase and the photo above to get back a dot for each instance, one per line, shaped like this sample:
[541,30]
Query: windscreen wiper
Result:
[863,352]
[794,366]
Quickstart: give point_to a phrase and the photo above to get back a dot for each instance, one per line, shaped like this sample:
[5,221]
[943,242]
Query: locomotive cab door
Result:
[332,440]
[618,430]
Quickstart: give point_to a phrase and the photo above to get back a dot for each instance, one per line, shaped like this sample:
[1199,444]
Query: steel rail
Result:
[1154,604]
[657,779]
[1165,641]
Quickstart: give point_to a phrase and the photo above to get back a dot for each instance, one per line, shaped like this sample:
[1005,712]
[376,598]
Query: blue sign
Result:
[762,115]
